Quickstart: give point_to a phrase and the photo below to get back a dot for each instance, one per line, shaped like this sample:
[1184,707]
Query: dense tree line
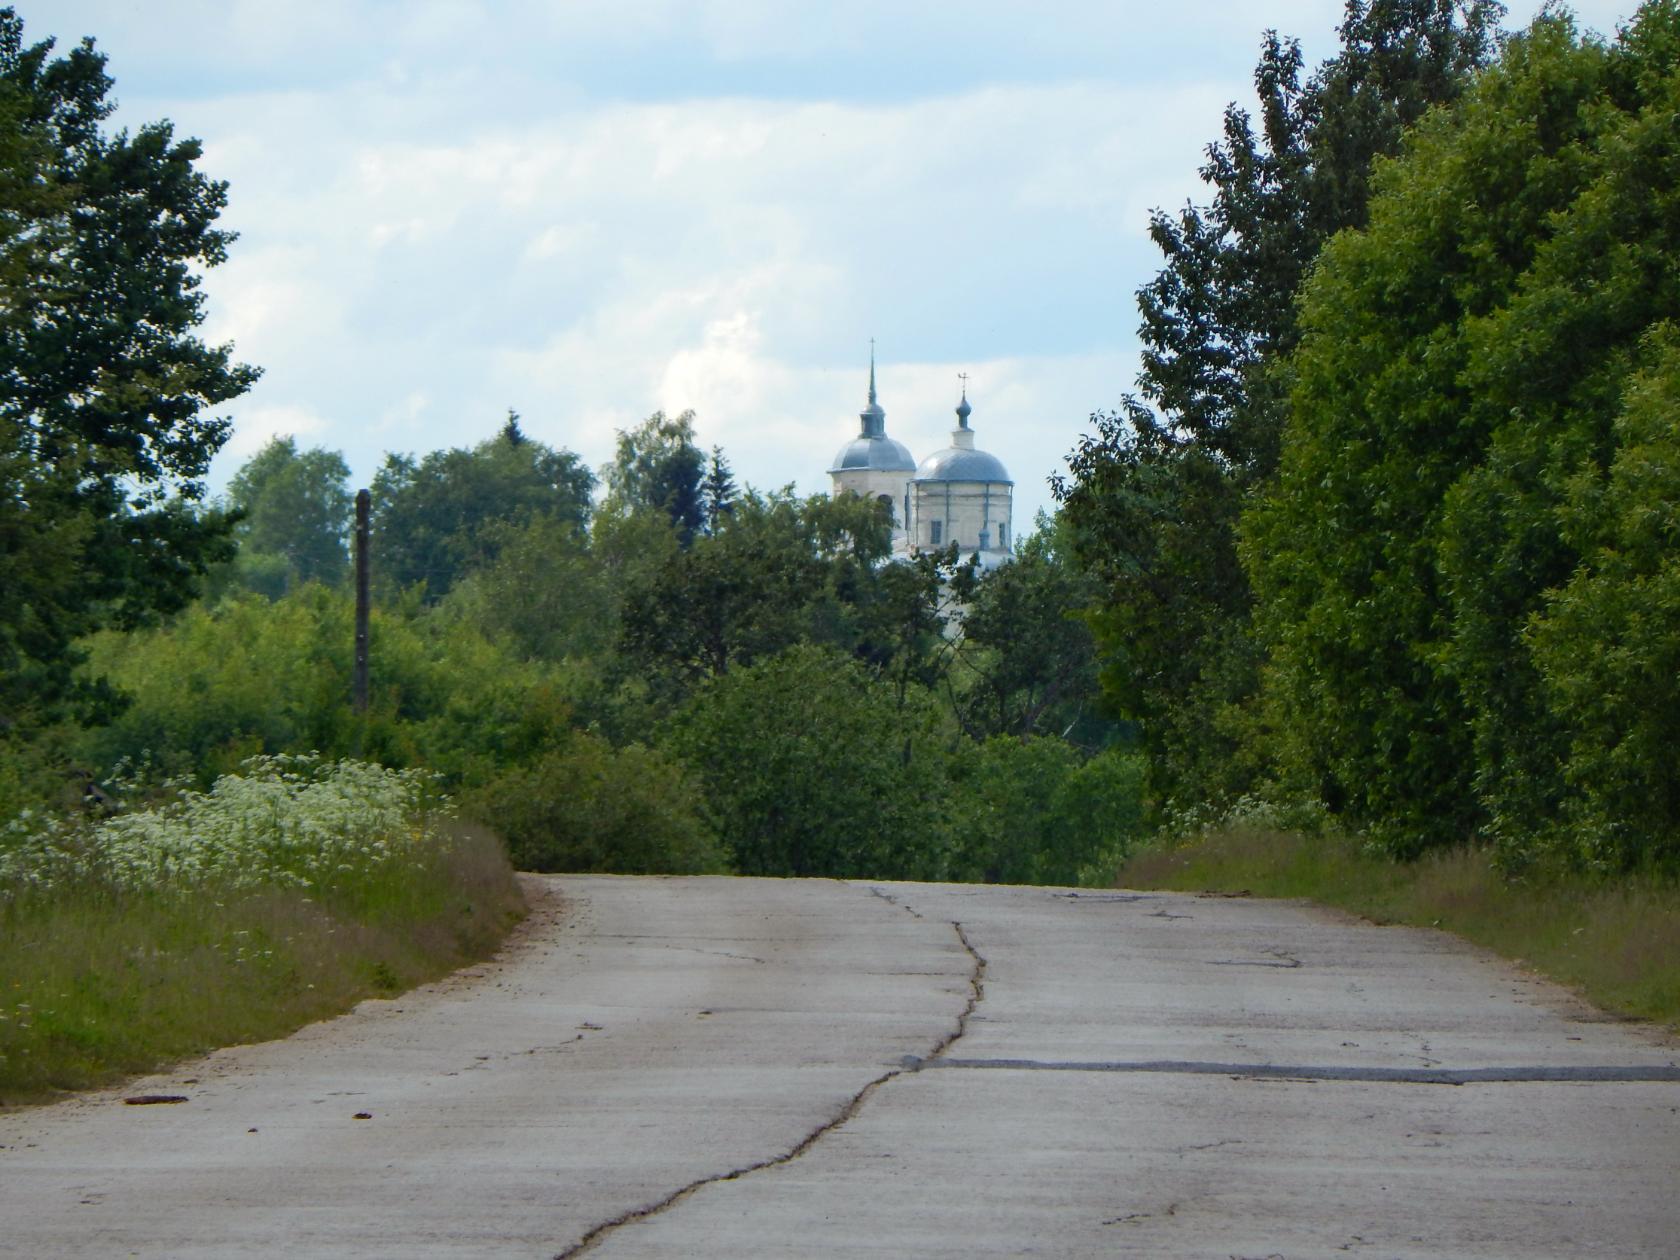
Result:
[628,689]
[1412,516]
[1156,491]
[1388,533]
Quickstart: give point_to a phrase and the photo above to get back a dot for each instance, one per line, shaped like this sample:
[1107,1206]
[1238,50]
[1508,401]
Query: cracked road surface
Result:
[738,1068]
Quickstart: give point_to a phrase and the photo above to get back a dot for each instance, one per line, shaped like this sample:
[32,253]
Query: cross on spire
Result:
[963,409]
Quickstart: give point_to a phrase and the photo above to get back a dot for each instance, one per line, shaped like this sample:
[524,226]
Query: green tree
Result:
[728,599]
[780,571]
[439,517]
[1457,388]
[105,424]
[657,467]
[294,521]
[1030,811]
[587,806]
[813,766]
[1026,645]
[718,491]
[547,591]
[1156,490]
[1607,642]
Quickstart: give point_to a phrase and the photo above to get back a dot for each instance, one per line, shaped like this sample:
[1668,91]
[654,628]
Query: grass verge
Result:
[1616,942]
[100,984]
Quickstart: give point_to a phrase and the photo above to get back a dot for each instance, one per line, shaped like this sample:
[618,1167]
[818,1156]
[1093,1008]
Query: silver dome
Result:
[873,454]
[955,463]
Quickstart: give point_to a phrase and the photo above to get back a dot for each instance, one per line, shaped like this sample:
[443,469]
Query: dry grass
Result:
[1617,943]
[100,983]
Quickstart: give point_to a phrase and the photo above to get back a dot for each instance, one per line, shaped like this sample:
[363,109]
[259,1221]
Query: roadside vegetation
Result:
[1390,532]
[1616,941]
[284,893]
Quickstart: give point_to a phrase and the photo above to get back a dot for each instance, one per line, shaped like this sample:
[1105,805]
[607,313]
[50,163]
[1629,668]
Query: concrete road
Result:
[737,1068]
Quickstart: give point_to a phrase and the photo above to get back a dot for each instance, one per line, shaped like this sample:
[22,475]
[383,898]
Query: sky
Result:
[589,210]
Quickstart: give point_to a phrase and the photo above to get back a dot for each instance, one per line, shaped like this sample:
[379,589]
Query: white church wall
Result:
[974,515]
[874,483]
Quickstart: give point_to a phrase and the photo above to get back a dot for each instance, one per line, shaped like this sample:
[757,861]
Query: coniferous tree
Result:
[511,432]
[718,491]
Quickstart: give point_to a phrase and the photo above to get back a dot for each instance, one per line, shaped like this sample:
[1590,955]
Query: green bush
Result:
[1607,643]
[247,676]
[1031,813]
[219,684]
[587,806]
[1104,798]
[813,766]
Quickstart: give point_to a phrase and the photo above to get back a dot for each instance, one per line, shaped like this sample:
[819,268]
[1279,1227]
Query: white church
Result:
[957,495]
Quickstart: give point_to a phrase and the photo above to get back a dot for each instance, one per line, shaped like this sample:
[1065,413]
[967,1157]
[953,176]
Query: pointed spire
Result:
[874,417]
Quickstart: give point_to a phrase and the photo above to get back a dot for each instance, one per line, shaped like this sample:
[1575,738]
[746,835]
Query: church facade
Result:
[959,494]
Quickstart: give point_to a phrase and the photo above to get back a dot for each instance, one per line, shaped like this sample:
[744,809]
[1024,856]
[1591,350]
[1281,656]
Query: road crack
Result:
[1279,958]
[976,994]
[894,901]
[598,1232]
[976,990]
[1604,1074]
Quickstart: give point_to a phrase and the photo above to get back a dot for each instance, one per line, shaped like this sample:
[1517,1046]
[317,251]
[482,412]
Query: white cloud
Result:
[592,210]
[257,426]
[733,257]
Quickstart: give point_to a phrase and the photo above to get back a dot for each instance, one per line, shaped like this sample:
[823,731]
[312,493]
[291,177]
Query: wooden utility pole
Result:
[363,501]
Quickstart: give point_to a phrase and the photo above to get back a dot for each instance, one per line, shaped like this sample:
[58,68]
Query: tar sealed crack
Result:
[1589,1074]
[976,994]
[1279,958]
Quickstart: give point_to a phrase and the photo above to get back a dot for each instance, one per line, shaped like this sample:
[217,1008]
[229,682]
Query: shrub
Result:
[589,807]
[1032,813]
[812,766]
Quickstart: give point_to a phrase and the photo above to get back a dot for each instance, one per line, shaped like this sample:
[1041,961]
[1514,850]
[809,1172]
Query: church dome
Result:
[872,450]
[873,454]
[956,463]
[960,461]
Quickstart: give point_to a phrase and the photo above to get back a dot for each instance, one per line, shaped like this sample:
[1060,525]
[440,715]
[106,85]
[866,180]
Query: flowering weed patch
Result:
[282,894]
[284,821]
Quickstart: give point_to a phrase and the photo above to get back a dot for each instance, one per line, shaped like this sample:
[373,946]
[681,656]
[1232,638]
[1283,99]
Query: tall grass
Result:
[1616,941]
[285,893]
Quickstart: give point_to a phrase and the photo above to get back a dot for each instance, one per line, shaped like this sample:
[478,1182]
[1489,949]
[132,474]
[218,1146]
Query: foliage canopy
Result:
[1469,453]
[106,393]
